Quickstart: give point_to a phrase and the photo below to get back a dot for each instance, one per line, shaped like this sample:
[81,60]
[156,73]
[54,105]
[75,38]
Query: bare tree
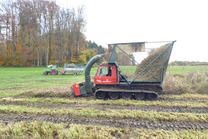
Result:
[38,32]
[9,11]
[79,24]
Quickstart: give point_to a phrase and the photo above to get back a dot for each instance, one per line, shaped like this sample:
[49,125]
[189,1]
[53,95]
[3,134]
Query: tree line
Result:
[39,32]
[188,63]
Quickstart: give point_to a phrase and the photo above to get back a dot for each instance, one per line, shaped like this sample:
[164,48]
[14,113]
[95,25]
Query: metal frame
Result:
[113,59]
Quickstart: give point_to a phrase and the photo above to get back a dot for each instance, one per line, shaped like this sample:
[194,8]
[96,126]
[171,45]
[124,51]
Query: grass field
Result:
[186,69]
[180,113]
[15,80]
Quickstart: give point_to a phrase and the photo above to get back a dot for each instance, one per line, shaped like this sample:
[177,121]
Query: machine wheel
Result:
[126,95]
[139,96]
[114,95]
[45,73]
[74,73]
[100,95]
[54,72]
[151,96]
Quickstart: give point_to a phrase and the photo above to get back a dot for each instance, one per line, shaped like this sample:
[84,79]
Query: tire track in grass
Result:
[104,102]
[108,113]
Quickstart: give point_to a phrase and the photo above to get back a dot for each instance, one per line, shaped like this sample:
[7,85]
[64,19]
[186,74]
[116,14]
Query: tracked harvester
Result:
[134,71]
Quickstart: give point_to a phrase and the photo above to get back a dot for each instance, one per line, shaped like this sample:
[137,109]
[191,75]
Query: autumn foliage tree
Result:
[39,32]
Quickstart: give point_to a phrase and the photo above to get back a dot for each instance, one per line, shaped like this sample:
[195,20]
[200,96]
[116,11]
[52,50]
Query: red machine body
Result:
[117,78]
[106,74]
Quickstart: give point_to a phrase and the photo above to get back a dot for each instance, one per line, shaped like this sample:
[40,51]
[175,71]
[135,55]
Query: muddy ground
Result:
[110,122]
[123,123]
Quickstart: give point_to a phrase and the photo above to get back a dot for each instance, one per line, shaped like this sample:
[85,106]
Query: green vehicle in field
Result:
[71,68]
[52,71]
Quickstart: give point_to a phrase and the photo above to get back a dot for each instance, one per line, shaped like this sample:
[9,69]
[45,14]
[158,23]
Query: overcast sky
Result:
[115,21]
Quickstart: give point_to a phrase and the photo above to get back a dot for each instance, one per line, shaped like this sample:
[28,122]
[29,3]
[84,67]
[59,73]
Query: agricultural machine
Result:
[127,74]
[52,71]
[70,68]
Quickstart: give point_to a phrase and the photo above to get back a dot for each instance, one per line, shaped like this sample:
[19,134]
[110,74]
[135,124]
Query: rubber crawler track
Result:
[145,92]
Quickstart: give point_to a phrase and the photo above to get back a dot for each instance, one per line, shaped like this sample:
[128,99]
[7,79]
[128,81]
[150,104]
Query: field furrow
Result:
[177,109]
[106,114]
[124,123]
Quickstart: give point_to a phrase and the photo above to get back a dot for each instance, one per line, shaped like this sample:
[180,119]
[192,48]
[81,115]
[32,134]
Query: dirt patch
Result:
[50,92]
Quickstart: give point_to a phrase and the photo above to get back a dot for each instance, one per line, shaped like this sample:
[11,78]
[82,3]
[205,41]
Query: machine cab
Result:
[106,74]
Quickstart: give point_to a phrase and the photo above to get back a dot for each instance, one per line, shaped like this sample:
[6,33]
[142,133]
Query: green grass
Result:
[15,80]
[128,69]
[186,69]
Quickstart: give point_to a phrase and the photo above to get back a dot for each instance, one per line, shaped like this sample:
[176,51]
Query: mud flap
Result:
[79,89]
[76,89]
